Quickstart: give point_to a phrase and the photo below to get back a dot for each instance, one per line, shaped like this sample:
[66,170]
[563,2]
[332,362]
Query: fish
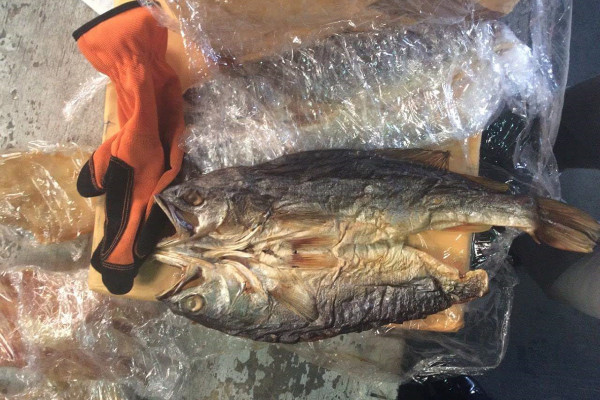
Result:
[249,29]
[313,244]
[397,87]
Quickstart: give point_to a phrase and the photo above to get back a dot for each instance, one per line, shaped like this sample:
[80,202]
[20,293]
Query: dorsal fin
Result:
[438,159]
[488,183]
[434,158]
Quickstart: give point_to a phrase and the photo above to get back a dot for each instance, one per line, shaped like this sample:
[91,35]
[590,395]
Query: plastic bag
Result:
[46,203]
[418,76]
[57,334]
[43,220]
[394,88]
[250,29]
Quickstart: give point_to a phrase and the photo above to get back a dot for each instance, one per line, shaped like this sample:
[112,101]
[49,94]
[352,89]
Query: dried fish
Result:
[313,244]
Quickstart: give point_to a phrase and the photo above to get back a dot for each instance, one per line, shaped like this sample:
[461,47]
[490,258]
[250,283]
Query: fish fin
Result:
[314,241]
[565,227]
[474,284]
[296,297]
[434,158]
[469,228]
[488,183]
[313,260]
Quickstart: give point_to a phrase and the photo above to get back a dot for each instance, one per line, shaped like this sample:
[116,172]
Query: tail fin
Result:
[566,227]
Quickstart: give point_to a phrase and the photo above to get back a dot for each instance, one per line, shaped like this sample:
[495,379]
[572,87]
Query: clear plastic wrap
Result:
[251,29]
[56,334]
[403,74]
[42,217]
[38,193]
[84,95]
[395,87]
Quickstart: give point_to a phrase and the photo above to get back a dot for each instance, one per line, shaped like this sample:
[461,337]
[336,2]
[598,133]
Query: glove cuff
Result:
[103,17]
[126,38]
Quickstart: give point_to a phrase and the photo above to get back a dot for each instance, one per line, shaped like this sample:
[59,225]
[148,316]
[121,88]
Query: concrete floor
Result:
[41,69]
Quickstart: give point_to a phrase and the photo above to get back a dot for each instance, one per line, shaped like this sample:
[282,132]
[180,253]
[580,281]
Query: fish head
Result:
[215,295]
[206,300]
[194,210]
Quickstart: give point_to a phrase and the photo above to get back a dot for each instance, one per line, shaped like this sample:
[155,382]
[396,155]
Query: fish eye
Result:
[193,303]
[193,197]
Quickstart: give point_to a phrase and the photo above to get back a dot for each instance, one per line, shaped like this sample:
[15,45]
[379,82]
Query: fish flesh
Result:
[313,244]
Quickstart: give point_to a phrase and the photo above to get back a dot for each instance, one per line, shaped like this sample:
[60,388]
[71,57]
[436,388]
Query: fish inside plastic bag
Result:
[393,88]
[251,29]
[43,220]
[38,193]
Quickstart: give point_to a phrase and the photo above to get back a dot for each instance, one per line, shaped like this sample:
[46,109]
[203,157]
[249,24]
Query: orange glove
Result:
[129,46]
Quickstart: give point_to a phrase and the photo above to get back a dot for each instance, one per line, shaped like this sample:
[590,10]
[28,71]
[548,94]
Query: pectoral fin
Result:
[296,297]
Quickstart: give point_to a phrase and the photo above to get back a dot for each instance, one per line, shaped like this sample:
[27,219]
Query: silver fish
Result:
[391,88]
[312,245]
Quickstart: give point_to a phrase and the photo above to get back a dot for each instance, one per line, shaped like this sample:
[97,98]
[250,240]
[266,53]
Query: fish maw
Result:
[38,193]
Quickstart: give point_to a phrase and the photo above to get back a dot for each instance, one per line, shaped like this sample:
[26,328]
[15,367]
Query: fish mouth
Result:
[190,272]
[178,218]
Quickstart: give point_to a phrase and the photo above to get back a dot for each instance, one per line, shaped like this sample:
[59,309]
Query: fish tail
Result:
[565,227]
[474,284]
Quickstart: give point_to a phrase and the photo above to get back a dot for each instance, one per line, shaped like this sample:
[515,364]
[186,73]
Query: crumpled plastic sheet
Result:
[481,344]
[454,73]
[250,29]
[43,220]
[55,335]
[399,88]
[84,95]
[38,193]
